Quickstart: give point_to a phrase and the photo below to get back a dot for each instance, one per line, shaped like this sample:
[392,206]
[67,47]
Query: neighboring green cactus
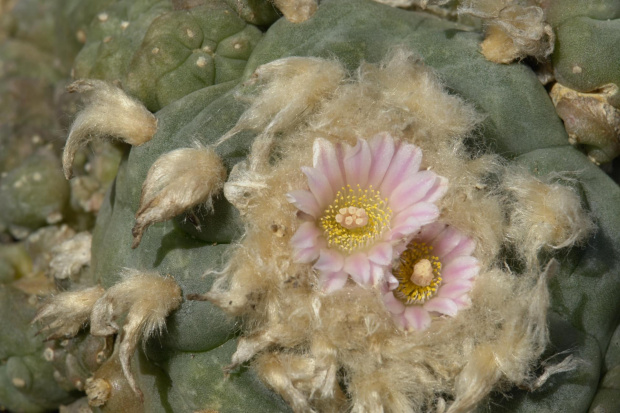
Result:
[587,54]
[160,54]
[113,36]
[34,194]
[27,382]
[184,51]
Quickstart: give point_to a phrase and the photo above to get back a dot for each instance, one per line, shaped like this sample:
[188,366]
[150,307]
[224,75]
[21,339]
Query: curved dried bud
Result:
[147,299]
[109,112]
[297,11]
[71,256]
[590,120]
[67,312]
[514,31]
[177,181]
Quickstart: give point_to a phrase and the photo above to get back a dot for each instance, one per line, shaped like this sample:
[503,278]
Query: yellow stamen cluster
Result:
[366,203]
[408,291]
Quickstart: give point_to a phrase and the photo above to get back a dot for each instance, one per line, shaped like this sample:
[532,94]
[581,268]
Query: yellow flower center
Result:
[419,274]
[355,218]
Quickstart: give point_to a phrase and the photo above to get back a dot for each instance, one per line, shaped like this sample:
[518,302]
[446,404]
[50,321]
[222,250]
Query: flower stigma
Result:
[355,218]
[419,274]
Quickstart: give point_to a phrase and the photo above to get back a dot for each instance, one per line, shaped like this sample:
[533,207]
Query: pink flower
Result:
[435,276]
[362,202]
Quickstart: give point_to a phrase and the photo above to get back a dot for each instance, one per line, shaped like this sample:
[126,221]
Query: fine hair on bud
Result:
[108,113]
[543,215]
[178,181]
[146,298]
[281,96]
[64,314]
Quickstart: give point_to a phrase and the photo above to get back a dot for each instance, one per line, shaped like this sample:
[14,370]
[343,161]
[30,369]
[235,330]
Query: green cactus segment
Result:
[587,55]
[34,194]
[14,262]
[186,50]
[26,380]
[559,11]
[364,30]
[114,35]
[31,21]
[20,58]
[73,18]
[607,398]
[196,376]
[258,12]
[586,291]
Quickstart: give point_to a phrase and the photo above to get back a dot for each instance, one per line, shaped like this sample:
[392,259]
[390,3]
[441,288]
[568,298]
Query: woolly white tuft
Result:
[178,181]
[109,112]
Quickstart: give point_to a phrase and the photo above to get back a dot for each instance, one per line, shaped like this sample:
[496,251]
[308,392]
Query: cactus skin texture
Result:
[160,54]
[27,382]
[182,369]
[352,31]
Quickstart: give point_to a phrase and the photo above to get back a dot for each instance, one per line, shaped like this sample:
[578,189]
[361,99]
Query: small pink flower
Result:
[363,202]
[435,276]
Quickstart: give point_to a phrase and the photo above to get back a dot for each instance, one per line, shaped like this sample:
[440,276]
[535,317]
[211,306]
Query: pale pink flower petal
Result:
[453,270]
[410,220]
[462,302]
[377,273]
[392,282]
[329,261]
[357,163]
[441,305]
[450,240]
[393,304]
[405,162]
[417,318]
[466,247]
[358,266]
[305,236]
[319,186]
[381,254]
[306,255]
[382,149]
[460,268]
[333,281]
[455,289]
[325,159]
[304,201]
[439,189]
[412,190]
[428,233]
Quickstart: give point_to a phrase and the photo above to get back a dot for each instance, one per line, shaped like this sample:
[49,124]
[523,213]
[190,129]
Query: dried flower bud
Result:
[109,112]
[590,120]
[67,312]
[515,30]
[177,181]
[297,11]
[147,299]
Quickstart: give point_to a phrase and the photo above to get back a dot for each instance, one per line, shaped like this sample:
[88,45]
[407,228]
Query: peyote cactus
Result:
[205,289]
